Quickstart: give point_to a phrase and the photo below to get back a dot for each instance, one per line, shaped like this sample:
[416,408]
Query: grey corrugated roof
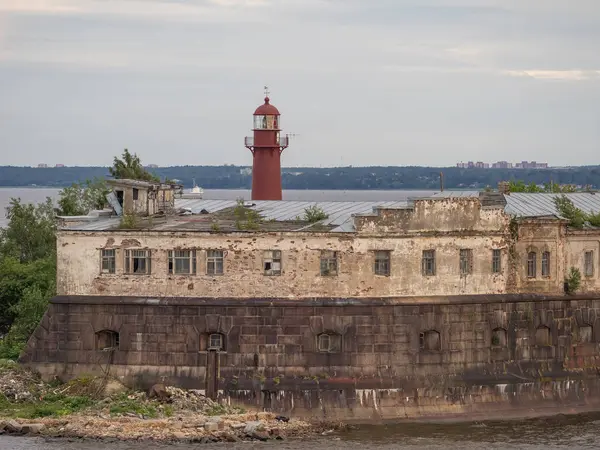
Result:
[532,205]
[338,212]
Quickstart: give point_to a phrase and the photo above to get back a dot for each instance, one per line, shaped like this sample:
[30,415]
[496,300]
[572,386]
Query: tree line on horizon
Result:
[333,178]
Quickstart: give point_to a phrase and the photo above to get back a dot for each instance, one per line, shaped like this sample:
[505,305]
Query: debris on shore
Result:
[100,408]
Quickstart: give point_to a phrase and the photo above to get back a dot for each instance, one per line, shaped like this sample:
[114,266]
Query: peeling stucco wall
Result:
[79,265]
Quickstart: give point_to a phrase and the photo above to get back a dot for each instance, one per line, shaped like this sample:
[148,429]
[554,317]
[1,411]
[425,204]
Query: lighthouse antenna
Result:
[267,92]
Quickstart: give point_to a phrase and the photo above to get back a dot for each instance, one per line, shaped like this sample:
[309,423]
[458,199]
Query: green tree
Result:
[520,186]
[17,279]
[130,167]
[577,218]
[78,199]
[30,234]
[314,214]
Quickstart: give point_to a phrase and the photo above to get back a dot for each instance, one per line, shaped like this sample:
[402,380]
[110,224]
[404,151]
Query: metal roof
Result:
[338,212]
[541,204]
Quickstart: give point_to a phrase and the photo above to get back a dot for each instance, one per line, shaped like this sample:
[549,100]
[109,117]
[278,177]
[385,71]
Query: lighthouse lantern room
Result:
[266,146]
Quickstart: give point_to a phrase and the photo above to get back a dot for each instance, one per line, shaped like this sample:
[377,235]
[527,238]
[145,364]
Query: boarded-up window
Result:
[430,341]
[182,262]
[586,334]
[543,336]
[531,264]
[428,262]
[329,263]
[329,343]
[214,262]
[466,261]
[499,338]
[496,261]
[382,263]
[136,194]
[108,260]
[107,340]
[272,262]
[137,262]
[588,264]
[546,264]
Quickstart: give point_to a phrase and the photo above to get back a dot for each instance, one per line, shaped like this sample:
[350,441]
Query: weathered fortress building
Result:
[460,304]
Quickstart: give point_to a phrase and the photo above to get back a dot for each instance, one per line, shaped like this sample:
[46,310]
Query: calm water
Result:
[572,433]
[40,194]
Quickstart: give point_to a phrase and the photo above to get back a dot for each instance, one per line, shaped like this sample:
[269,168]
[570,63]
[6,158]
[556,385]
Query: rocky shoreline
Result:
[101,408]
[191,428]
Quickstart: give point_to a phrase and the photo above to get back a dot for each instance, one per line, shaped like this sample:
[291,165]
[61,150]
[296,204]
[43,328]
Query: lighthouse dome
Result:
[267,109]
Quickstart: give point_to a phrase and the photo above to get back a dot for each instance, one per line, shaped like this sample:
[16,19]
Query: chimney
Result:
[504,187]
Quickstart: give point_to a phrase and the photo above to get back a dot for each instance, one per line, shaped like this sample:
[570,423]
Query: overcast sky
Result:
[360,82]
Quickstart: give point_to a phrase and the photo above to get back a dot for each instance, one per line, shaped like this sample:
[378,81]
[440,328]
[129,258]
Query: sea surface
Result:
[39,194]
[578,432]
[543,434]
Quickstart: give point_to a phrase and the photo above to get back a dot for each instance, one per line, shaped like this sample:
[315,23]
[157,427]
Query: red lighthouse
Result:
[266,147]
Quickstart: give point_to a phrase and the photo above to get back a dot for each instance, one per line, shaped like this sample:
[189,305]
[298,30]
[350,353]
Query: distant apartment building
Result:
[502,165]
[42,166]
[152,166]
[59,165]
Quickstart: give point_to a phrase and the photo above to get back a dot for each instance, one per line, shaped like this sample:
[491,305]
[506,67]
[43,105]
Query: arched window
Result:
[430,340]
[212,342]
[107,340]
[499,338]
[329,343]
[531,264]
[543,337]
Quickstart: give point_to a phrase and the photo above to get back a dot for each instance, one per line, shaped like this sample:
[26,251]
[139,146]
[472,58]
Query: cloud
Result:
[557,75]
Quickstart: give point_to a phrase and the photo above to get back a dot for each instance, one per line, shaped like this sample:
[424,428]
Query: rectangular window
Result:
[466,261]
[137,262]
[546,264]
[588,264]
[272,262]
[428,262]
[382,263]
[135,194]
[182,262]
[531,264]
[214,262]
[329,263]
[496,260]
[108,261]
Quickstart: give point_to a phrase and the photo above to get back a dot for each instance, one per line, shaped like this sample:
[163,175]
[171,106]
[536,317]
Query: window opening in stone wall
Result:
[214,262]
[531,264]
[588,264]
[430,340]
[496,261]
[272,262]
[382,262]
[137,262]
[107,340]
[215,341]
[329,263]
[428,262]
[466,261]
[182,262]
[329,343]
[586,334]
[542,336]
[212,342]
[135,194]
[546,264]
[108,260]
[499,338]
